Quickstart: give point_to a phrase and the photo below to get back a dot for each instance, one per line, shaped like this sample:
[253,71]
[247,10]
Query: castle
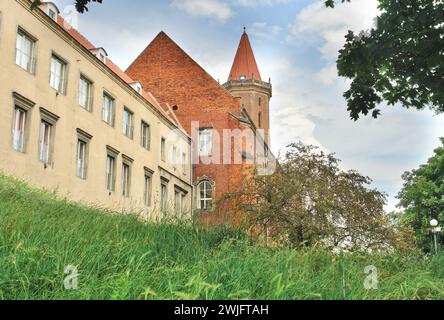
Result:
[161,136]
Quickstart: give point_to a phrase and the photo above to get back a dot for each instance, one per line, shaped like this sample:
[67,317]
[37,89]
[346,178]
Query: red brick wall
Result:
[173,77]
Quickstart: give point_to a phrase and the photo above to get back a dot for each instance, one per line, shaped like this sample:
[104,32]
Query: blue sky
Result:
[296,44]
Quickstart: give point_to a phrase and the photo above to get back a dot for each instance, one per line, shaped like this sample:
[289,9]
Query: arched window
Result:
[205,195]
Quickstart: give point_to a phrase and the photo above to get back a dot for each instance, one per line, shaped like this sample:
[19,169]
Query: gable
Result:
[172,75]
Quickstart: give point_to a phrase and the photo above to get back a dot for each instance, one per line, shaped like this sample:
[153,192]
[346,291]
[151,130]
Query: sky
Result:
[296,44]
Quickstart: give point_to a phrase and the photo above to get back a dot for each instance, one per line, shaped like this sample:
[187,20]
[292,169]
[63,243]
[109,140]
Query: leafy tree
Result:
[81,5]
[422,197]
[400,60]
[311,200]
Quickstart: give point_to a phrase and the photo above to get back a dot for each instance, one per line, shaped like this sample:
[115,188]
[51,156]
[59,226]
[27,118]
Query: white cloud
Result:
[263,30]
[331,25]
[328,75]
[207,8]
[256,3]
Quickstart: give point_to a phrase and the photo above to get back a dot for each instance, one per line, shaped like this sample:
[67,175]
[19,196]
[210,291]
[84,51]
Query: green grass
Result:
[119,257]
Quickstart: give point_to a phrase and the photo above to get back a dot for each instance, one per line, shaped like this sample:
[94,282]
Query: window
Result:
[163,196]
[184,197]
[137,86]
[145,135]
[81,159]
[52,14]
[18,131]
[206,142]
[125,179]
[110,176]
[58,74]
[162,149]
[25,52]
[260,101]
[126,175]
[111,157]
[128,128]
[259,117]
[82,153]
[108,111]
[47,126]
[147,194]
[45,137]
[85,93]
[174,156]
[205,195]
[20,125]
[179,200]
[184,162]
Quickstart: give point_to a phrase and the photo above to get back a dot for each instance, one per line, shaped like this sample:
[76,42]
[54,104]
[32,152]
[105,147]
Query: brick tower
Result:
[245,82]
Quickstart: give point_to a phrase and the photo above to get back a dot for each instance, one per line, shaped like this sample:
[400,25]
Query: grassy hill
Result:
[118,257]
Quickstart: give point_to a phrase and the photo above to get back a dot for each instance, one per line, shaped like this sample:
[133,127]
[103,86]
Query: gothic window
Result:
[205,195]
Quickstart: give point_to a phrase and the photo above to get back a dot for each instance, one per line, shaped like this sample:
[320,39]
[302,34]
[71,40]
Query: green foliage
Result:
[310,200]
[119,257]
[398,61]
[422,197]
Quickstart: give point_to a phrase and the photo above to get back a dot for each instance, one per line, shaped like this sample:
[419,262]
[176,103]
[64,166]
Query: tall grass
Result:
[119,257]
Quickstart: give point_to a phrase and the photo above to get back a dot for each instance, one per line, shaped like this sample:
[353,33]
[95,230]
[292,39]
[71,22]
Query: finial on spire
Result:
[245,29]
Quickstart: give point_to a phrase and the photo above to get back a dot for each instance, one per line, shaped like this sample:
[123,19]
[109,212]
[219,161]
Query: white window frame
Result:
[81,158]
[44,148]
[110,173]
[148,189]
[207,201]
[25,60]
[184,163]
[163,149]
[58,74]
[128,123]
[19,129]
[85,98]
[205,142]
[126,179]
[108,109]
[145,135]
[163,195]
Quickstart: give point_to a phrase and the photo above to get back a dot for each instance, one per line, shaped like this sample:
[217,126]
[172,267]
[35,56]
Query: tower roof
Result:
[244,64]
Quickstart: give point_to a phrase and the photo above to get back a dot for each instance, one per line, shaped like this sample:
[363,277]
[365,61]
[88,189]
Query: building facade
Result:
[229,124]
[72,121]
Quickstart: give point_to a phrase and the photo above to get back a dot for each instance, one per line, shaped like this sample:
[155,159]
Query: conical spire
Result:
[244,65]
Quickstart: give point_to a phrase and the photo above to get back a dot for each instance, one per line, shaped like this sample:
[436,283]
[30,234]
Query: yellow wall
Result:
[61,174]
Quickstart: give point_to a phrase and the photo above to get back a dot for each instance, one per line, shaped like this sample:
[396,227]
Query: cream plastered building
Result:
[73,122]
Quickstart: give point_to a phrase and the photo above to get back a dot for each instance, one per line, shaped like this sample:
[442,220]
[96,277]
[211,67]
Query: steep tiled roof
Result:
[244,64]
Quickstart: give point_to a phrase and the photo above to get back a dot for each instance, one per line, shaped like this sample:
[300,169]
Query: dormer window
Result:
[52,14]
[51,10]
[137,86]
[100,53]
